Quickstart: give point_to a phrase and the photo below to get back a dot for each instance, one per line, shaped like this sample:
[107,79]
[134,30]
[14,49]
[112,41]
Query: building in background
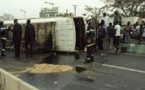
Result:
[49,12]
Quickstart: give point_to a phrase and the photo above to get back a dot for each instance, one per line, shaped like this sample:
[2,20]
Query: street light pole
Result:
[75,8]
[24,13]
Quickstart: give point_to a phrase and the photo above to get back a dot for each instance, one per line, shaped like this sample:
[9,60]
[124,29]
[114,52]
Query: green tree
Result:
[128,7]
[95,11]
[7,16]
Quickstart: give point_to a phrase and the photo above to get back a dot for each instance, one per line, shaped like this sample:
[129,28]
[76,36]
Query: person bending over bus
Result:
[89,48]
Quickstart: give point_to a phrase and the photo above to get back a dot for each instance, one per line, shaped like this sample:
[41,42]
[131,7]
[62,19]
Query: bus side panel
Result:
[10,82]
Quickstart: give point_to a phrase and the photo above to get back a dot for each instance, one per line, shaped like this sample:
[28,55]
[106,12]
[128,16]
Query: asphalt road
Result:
[114,72]
[127,60]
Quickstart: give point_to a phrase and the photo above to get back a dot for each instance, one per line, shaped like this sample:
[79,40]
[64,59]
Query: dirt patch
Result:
[49,68]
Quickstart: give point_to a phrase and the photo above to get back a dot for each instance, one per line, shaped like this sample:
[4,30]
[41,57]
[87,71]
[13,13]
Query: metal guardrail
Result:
[10,82]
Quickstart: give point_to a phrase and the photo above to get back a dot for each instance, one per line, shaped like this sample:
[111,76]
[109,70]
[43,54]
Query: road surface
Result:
[114,72]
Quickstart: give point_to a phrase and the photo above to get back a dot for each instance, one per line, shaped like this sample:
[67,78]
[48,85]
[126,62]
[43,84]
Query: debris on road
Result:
[49,68]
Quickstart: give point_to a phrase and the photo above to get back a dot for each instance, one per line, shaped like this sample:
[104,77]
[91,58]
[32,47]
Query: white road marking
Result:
[123,68]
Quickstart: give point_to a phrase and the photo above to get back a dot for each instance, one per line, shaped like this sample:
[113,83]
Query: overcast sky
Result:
[32,7]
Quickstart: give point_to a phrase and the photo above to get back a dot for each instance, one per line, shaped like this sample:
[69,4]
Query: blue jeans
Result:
[105,44]
[127,36]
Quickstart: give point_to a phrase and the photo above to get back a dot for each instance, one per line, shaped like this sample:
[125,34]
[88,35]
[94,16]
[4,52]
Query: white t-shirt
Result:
[106,20]
[137,27]
[118,30]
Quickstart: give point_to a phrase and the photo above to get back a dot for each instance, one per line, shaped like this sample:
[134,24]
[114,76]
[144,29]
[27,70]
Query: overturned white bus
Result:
[66,34]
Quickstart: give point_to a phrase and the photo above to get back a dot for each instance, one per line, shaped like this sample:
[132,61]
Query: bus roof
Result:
[40,20]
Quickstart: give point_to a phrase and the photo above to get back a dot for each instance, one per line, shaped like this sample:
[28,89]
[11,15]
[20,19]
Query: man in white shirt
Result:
[106,19]
[116,41]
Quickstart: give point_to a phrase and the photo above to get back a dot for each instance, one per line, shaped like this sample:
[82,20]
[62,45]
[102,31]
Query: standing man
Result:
[29,38]
[3,38]
[104,37]
[117,18]
[127,31]
[17,36]
[111,33]
[106,20]
[1,24]
[116,41]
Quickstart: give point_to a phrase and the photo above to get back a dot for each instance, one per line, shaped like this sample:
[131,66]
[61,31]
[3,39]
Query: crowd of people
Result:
[135,31]
[111,34]
[29,38]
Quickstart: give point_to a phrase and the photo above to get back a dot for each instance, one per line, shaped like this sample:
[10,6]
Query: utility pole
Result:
[75,8]
[66,11]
